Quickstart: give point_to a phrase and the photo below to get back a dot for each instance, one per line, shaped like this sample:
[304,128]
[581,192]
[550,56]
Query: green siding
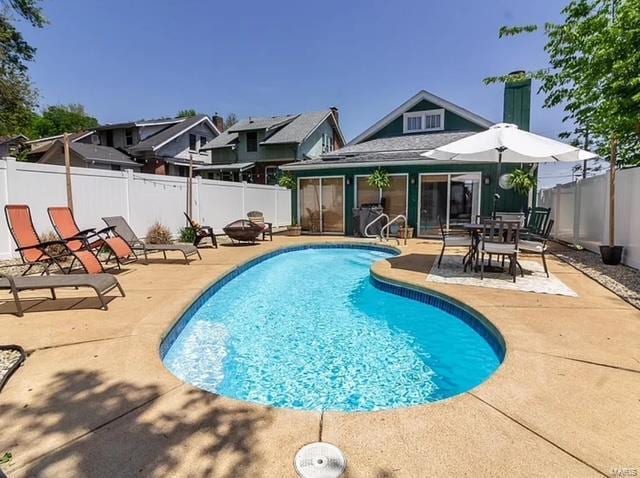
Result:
[517,104]
[452,122]
[509,201]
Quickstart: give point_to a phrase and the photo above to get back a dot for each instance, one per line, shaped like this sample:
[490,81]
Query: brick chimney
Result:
[517,102]
[218,121]
[336,114]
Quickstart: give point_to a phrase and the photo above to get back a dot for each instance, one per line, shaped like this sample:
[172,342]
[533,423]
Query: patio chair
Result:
[67,229]
[201,232]
[257,217]
[538,245]
[535,223]
[500,238]
[454,239]
[34,252]
[123,230]
[100,283]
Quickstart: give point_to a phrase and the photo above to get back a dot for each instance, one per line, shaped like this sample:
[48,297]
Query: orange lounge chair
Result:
[33,251]
[67,229]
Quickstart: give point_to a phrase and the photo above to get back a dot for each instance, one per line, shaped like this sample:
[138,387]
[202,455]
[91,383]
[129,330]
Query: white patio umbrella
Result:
[505,143]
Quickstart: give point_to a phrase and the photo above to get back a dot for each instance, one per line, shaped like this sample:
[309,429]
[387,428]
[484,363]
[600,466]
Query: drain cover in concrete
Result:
[320,460]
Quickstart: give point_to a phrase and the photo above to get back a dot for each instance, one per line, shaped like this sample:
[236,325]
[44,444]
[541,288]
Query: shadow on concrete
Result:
[413,262]
[47,304]
[117,428]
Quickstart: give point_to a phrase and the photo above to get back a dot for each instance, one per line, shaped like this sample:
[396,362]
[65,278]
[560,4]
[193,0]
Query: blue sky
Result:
[127,60]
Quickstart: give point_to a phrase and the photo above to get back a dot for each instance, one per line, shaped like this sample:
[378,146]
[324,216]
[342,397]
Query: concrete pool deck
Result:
[93,398]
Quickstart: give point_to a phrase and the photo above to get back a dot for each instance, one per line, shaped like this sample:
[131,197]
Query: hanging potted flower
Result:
[522,181]
[380,180]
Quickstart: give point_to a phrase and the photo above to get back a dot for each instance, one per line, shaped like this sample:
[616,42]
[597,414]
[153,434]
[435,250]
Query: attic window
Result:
[422,121]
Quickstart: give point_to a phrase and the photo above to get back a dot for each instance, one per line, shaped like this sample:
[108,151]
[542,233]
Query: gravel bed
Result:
[622,280]
[8,359]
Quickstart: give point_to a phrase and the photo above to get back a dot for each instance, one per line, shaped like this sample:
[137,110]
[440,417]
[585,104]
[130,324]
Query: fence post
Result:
[276,189]
[10,163]
[196,200]
[129,184]
[244,199]
[577,197]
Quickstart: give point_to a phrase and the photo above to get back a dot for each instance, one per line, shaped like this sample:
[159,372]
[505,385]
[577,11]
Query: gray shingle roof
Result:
[409,142]
[131,124]
[166,134]
[298,129]
[224,140]
[251,124]
[398,148]
[101,154]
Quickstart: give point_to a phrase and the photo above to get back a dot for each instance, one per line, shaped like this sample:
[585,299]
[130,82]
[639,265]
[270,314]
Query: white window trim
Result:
[423,115]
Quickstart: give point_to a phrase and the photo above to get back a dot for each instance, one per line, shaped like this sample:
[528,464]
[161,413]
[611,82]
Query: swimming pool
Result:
[312,329]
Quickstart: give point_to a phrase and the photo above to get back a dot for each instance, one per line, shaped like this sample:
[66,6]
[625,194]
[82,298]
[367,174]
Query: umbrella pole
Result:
[495,187]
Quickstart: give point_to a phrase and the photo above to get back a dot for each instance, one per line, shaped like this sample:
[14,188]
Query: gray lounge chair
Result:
[123,230]
[101,283]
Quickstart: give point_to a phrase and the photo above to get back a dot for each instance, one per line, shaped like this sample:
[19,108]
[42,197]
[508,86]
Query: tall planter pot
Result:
[611,255]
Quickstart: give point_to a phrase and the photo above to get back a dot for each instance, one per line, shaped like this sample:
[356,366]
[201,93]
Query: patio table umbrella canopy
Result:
[505,143]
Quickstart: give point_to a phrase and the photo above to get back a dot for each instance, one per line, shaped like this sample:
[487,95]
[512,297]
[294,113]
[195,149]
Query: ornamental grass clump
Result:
[159,234]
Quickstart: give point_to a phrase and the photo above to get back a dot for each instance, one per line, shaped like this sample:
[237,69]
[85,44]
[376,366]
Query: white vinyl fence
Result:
[581,212]
[141,198]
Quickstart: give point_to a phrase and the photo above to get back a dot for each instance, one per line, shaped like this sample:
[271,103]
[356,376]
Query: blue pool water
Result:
[309,329]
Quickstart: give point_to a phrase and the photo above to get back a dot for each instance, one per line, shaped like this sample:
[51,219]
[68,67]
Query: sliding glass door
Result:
[394,197]
[451,198]
[321,205]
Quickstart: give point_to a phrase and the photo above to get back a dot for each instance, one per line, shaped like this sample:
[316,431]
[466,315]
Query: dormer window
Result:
[424,121]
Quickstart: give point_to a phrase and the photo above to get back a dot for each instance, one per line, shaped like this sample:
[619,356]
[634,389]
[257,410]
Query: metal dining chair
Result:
[500,238]
[453,239]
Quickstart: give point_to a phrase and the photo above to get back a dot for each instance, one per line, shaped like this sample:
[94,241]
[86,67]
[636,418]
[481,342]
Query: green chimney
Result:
[517,103]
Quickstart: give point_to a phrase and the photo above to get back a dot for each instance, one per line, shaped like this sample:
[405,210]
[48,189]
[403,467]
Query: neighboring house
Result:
[163,146]
[84,155]
[38,147]
[424,190]
[253,149]
[11,145]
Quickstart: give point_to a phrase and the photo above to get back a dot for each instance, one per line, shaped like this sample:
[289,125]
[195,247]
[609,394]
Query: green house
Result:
[330,186]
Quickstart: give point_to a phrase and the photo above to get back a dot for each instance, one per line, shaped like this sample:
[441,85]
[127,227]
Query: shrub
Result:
[158,234]
[187,234]
[56,249]
[287,180]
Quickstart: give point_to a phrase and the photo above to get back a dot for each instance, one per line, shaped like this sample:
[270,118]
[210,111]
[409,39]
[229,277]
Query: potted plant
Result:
[409,232]
[294,229]
[287,180]
[379,179]
[612,254]
[522,181]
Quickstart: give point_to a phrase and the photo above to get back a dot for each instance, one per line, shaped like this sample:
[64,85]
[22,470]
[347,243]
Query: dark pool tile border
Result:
[473,319]
[476,321]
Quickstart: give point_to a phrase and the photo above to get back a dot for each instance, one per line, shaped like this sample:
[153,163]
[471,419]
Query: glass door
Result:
[433,203]
[309,201]
[321,205]
[454,198]
[464,199]
[394,197]
[332,194]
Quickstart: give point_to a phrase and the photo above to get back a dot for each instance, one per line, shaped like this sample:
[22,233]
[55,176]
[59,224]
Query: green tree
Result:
[187,113]
[60,119]
[17,95]
[594,74]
